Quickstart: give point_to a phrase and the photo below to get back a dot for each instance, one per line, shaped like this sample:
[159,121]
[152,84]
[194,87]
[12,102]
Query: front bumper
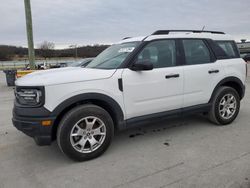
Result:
[32,126]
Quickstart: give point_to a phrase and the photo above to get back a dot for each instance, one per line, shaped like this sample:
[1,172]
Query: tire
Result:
[78,140]
[219,113]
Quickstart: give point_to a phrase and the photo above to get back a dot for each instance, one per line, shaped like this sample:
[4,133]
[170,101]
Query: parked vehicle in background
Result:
[137,80]
[63,64]
[81,63]
[247,57]
[60,65]
[40,66]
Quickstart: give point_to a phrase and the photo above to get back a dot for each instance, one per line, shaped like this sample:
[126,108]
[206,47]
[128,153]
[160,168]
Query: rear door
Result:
[201,72]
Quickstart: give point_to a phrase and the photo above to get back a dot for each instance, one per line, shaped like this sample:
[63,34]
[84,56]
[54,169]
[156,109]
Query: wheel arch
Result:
[104,101]
[233,82]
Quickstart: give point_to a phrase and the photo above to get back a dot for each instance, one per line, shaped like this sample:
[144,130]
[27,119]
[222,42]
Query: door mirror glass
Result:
[142,65]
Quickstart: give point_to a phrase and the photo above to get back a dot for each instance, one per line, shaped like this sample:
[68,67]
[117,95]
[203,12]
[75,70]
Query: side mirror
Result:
[142,65]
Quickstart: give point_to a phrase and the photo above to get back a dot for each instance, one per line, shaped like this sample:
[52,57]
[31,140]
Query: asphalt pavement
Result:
[187,152]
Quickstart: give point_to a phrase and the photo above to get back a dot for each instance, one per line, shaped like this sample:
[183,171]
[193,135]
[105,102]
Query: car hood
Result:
[62,76]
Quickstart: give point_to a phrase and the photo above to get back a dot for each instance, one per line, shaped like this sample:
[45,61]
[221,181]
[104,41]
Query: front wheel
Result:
[85,132]
[225,106]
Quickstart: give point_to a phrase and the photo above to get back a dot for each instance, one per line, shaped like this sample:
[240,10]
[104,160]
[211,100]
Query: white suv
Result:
[168,73]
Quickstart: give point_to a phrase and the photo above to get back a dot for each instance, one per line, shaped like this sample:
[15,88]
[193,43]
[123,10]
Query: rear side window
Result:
[196,52]
[229,48]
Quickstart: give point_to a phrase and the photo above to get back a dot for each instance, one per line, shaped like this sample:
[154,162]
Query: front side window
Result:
[113,57]
[228,48]
[160,53]
[196,52]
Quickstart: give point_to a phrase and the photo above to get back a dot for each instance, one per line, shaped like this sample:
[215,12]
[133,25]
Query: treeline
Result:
[10,52]
[84,51]
[13,52]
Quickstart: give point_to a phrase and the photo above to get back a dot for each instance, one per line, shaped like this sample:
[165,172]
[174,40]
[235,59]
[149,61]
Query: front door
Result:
[157,90]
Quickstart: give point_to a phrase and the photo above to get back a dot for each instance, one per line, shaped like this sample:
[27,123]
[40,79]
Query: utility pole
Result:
[29,34]
[76,51]
[74,46]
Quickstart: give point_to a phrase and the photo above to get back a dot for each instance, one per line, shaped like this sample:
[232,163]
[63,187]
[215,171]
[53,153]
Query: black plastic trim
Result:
[166,32]
[120,85]
[111,103]
[196,109]
[33,128]
[30,112]
[213,71]
[136,121]
[229,79]
[180,52]
[212,55]
[152,117]
[172,76]
[236,49]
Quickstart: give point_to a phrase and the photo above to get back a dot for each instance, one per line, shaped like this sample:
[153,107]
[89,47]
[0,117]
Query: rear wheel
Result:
[225,106]
[85,132]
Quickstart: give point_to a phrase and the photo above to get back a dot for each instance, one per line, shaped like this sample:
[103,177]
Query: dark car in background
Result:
[246,57]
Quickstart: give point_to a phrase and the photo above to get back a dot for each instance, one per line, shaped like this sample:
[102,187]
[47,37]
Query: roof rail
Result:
[166,32]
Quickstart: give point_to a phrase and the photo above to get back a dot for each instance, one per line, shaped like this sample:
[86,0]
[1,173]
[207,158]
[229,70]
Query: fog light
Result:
[46,123]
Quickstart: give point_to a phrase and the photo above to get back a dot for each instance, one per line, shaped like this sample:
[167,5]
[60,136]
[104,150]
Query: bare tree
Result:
[6,52]
[46,49]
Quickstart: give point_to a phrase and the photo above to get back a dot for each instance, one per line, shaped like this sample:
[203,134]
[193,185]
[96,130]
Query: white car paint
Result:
[63,76]
[149,91]
[199,84]
[56,94]
[145,92]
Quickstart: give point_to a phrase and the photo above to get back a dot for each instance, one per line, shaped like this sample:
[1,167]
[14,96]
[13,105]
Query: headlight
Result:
[29,96]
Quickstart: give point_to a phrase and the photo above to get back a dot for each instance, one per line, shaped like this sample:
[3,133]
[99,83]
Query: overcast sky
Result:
[84,22]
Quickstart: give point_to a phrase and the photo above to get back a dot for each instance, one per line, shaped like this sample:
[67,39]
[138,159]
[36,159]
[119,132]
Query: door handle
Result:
[172,76]
[213,71]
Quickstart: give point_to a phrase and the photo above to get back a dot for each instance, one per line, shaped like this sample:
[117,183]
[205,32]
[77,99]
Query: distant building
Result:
[244,46]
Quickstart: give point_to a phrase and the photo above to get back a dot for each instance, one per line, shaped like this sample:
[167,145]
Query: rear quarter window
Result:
[230,48]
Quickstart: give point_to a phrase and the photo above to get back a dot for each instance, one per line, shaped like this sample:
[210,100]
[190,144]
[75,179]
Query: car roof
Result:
[214,35]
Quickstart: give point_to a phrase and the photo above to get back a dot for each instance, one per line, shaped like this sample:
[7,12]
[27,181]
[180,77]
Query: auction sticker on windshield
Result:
[126,50]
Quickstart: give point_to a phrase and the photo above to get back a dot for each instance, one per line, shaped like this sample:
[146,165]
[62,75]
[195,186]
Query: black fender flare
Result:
[230,79]
[108,101]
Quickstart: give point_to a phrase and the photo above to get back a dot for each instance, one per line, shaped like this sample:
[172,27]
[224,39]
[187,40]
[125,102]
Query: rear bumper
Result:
[33,128]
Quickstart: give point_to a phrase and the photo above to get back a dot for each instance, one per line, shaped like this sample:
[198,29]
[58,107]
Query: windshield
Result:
[112,57]
[81,62]
[76,64]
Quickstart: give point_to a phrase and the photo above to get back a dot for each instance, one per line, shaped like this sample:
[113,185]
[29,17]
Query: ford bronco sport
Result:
[168,73]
